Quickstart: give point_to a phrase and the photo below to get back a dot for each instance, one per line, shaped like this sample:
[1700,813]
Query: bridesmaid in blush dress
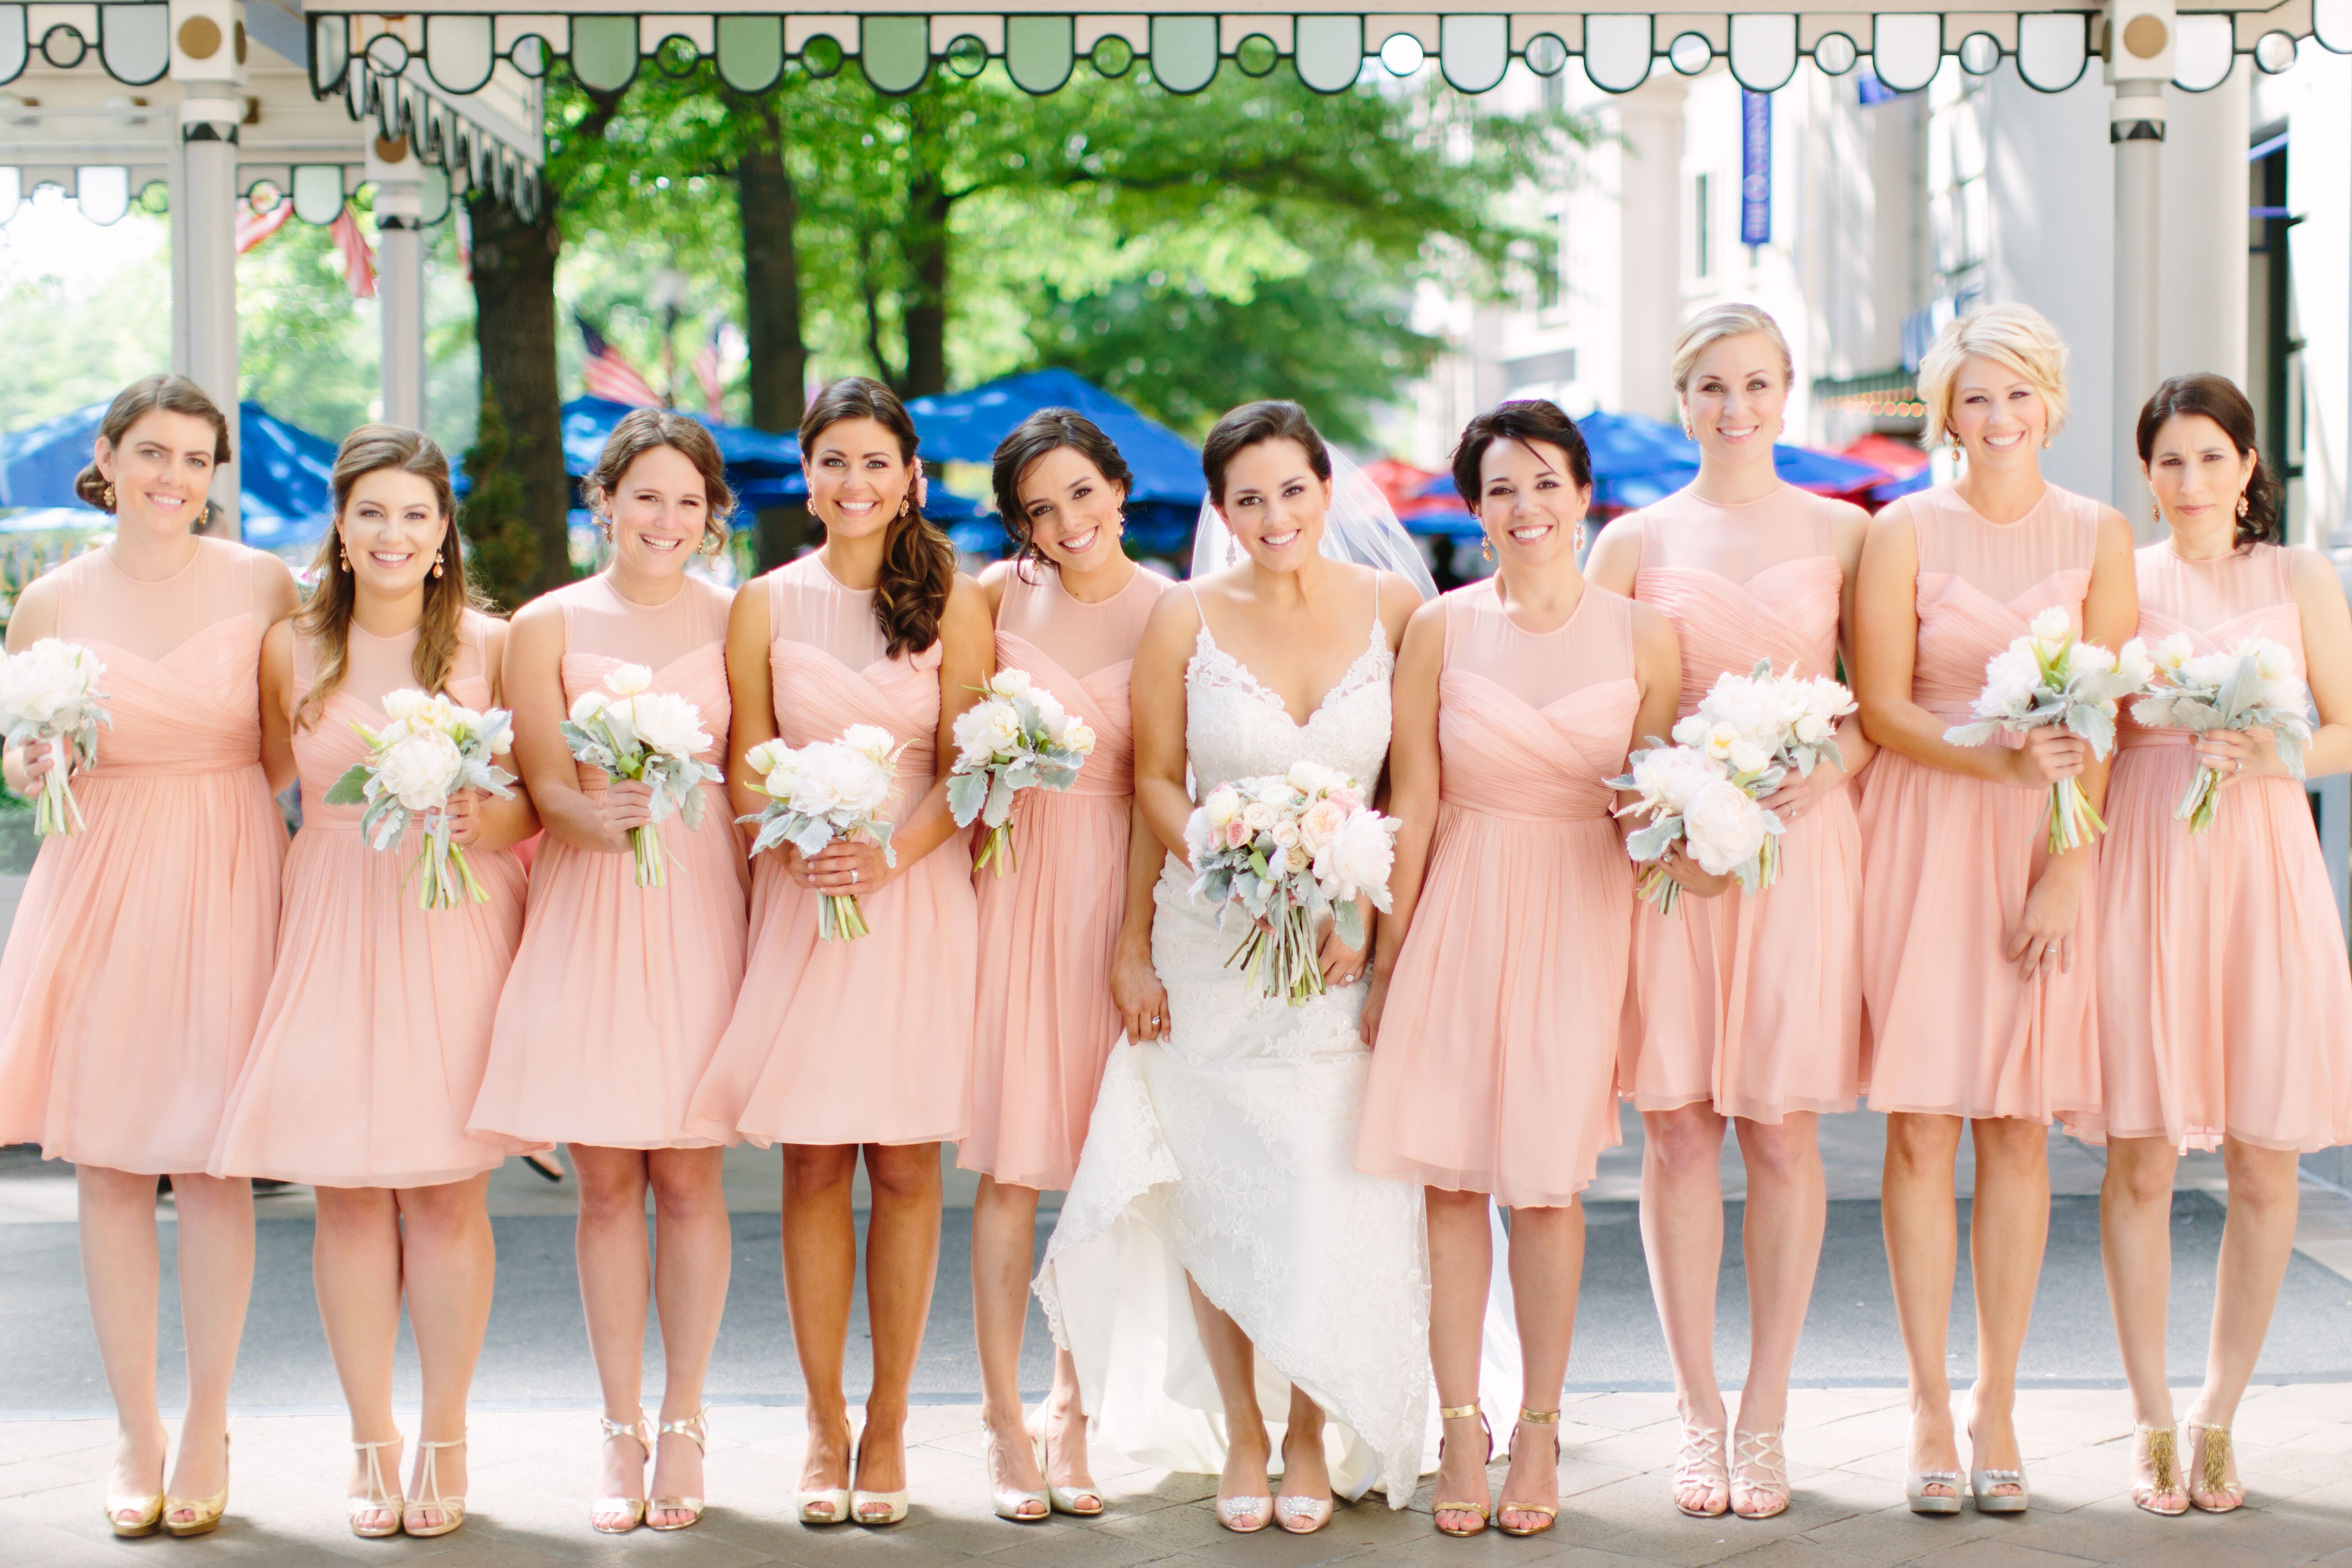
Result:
[1977,943]
[1744,1007]
[141,948]
[1498,978]
[865,1045]
[2225,1004]
[1065,935]
[619,993]
[372,1038]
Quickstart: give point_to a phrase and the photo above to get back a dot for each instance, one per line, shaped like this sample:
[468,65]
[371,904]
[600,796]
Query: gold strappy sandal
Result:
[629,1508]
[1549,1421]
[2208,1465]
[380,1498]
[1485,1513]
[695,1429]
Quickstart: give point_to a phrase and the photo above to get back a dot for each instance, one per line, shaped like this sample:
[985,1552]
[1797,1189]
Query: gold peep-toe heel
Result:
[205,1512]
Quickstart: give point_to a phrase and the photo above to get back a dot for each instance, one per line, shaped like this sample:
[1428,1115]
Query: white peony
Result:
[871,741]
[1051,714]
[2089,658]
[1812,729]
[1079,737]
[1010,683]
[590,704]
[1225,803]
[629,680]
[1671,775]
[2012,679]
[2052,626]
[1358,857]
[2135,663]
[670,724]
[2271,662]
[2174,651]
[1724,827]
[420,769]
[1747,757]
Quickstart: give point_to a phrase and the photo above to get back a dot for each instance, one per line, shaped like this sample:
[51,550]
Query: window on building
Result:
[1702,226]
[1551,277]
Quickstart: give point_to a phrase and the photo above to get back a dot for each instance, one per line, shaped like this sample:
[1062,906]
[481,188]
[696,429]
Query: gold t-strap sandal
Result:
[1549,1421]
[1463,1412]
[627,1512]
[429,1499]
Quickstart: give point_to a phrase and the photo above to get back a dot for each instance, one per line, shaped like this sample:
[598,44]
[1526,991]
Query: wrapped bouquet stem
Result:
[2049,679]
[1018,736]
[656,737]
[822,792]
[2253,686]
[430,750]
[49,698]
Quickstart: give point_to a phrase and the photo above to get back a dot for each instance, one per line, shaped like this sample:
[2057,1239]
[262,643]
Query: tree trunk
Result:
[514,331]
[770,208]
[924,243]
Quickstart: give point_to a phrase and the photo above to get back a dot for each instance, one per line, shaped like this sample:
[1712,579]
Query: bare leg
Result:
[1788,1207]
[615,1278]
[2009,1223]
[1547,1272]
[1065,1420]
[122,1267]
[1682,1232]
[1460,1262]
[2136,1238]
[1233,1361]
[216,1282]
[820,1273]
[1923,1249]
[690,1288]
[902,1262]
[448,1264]
[2256,1242]
[1003,1244]
[355,1268]
[1305,1473]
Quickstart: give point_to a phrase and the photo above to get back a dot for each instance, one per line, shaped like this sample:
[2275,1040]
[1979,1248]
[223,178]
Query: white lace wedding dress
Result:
[1228,1151]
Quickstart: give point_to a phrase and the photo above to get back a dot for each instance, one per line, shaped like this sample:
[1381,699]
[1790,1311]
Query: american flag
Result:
[609,373]
[358,256]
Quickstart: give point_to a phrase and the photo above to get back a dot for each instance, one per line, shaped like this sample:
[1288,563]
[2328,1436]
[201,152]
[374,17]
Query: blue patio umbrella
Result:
[1638,462]
[286,499]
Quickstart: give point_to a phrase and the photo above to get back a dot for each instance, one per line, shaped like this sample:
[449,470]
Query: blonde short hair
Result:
[2017,337]
[1717,323]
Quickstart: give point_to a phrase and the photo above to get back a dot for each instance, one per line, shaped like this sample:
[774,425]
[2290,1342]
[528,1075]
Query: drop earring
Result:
[1232,551]
[1487,550]
[342,555]
[2156,512]
[106,496]
[436,563]
[2244,506]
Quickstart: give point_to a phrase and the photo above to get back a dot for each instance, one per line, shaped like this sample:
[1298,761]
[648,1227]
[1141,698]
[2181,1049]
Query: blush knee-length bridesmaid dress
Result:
[1948,860]
[618,994]
[1045,1021]
[2225,1001]
[373,1040]
[142,947]
[866,1041]
[1751,1003]
[1496,1064]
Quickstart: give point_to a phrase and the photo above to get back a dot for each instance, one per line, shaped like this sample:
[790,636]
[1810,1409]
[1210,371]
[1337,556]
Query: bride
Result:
[1218,1254]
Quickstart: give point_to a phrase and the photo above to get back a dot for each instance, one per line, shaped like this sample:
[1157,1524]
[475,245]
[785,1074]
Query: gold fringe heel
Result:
[2163,1485]
[2208,1460]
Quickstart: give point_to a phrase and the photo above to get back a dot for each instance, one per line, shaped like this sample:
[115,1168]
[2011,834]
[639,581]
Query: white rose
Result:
[2089,658]
[1358,856]
[1285,833]
[1747,757]
[1724,827]
[1010,683]
[1812,729]
[2272,662]
[399,705]
[629,680]
[2134,664]
[420,769]
[1079,738]
[670,724]
[2052,626]
[590,704]
[767,757]
[871,741]
[1322,821]
[1223,805]
[1001,728]
[1718,740]
[972,745]
[1257,816]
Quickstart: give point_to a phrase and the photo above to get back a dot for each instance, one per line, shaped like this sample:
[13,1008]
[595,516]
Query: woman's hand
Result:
[1135,988]
[1690,875]
[628,803]
[1342,965]
[2240,753]
[464,816]
[1799,794]
[845,866]
[2044,939]
[34,760]
[2050,754]
[1376,1001]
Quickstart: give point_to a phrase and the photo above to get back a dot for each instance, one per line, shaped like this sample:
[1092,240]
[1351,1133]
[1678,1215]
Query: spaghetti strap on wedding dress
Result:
[1227,1151]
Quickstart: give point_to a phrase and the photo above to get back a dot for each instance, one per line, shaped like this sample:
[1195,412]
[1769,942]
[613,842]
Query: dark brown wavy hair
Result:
[170,394]
[1252,423]
[1529,419]
[639,432]
[327,617]
[2217,397]
[919,560]
[1047,430]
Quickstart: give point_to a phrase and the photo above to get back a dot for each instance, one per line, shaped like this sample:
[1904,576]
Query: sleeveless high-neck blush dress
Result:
[142,947]
[1751,1003]
[2225,1002]
[1045,1021]
[373,1040]
[865,1041]
[1495,1067]
[619,994]
[1948,860]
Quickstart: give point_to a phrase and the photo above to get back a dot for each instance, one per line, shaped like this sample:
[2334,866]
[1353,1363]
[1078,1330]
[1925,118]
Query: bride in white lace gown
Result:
[1225,1152]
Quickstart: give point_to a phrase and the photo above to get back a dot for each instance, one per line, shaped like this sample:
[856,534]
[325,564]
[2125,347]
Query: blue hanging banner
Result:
[1754,168]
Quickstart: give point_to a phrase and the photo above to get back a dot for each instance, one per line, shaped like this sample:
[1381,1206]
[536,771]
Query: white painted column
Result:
[400,277]
[208,62]
[2139,61]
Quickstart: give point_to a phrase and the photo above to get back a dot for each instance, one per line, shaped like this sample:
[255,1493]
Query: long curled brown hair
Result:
[1047,430]
[639,432]
[919,560]
[327,617]
[2216,398]
[170,394]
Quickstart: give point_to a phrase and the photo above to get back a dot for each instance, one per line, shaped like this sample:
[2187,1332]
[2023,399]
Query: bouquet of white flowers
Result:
[1759,726]
[2046,678]
[1285,849]
[656,736]
[49,693]
[821,792]
[1017,736]
[2253,687]
[1707,803]
[431,749]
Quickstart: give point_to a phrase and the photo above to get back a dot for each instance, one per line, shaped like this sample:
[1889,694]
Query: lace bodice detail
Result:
[1235,728]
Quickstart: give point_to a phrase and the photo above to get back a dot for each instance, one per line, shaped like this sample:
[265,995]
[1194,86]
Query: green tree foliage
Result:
[503,555]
